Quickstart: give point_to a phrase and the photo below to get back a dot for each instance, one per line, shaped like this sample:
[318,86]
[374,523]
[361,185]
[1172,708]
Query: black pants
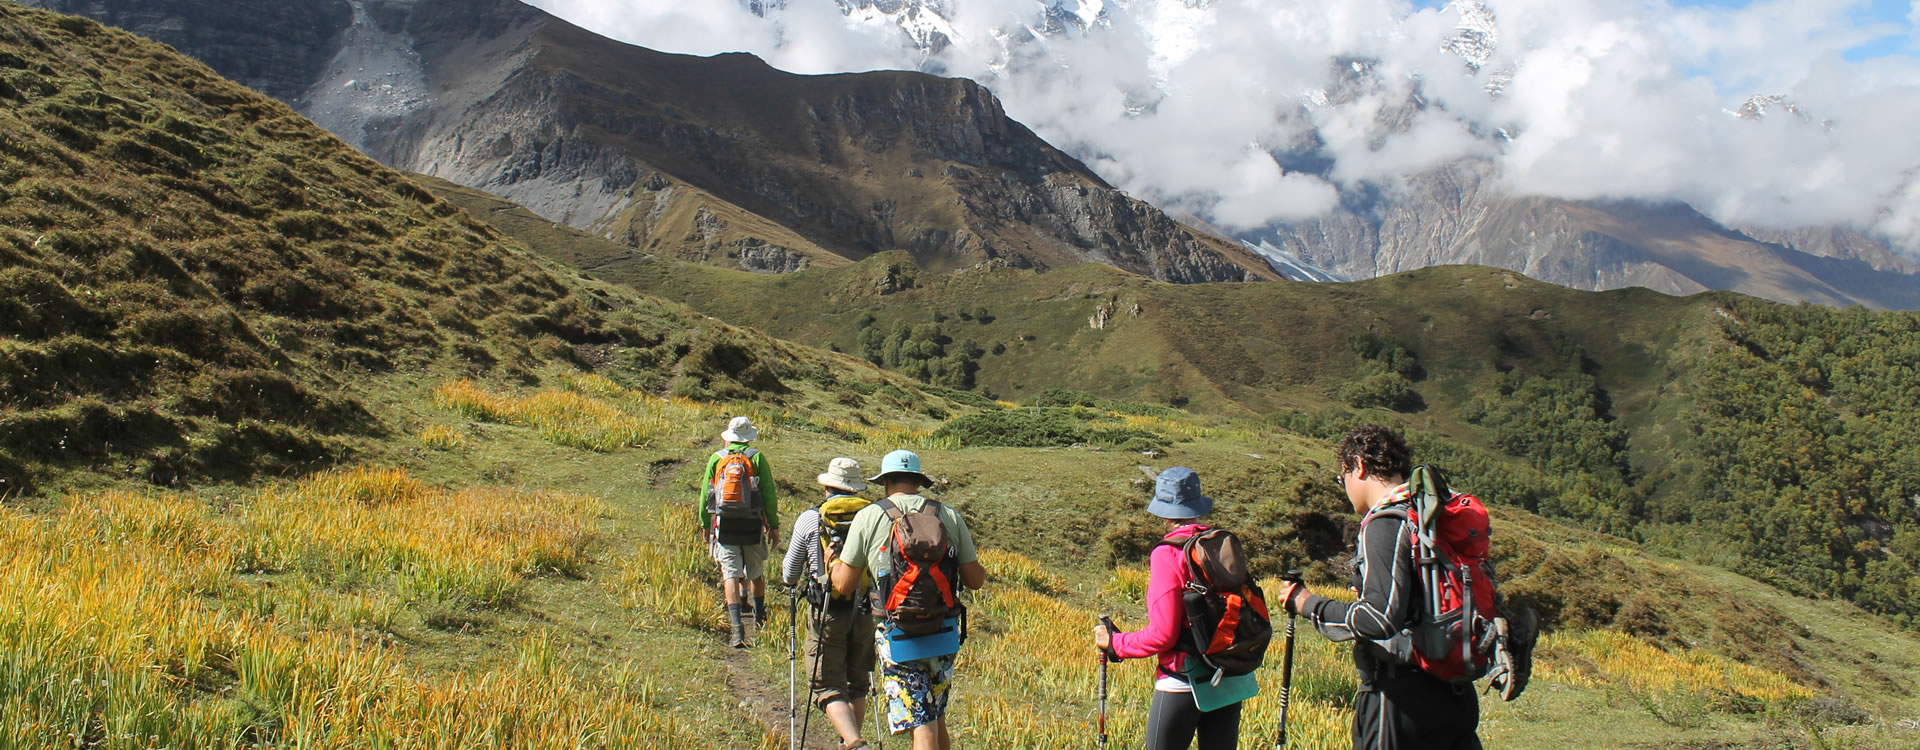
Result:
[1174,721]
[1412,711]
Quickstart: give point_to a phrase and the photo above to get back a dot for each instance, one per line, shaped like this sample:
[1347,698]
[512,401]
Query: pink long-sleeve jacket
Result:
[1166,617]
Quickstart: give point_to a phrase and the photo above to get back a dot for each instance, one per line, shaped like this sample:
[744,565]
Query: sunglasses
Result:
[1340,481]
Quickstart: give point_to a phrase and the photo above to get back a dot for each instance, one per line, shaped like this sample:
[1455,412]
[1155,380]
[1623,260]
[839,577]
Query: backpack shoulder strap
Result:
[893,511]
[1195,576]
[1396,510]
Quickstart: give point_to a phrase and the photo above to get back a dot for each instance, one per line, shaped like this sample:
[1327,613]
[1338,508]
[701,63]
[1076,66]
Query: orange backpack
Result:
[736,486]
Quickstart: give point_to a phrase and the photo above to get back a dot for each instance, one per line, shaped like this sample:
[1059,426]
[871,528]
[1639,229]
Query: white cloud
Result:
[1180,105]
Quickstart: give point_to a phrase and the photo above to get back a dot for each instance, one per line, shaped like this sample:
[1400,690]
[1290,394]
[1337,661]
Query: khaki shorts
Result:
[741,562]
[840,655]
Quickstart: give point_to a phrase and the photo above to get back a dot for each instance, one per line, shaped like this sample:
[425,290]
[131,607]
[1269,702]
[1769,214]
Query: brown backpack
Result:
[920,591]
[1227,623]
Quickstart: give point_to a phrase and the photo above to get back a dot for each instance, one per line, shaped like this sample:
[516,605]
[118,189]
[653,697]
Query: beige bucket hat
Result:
[842,473]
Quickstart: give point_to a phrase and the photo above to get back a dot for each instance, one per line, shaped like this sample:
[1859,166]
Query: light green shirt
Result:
[871,528]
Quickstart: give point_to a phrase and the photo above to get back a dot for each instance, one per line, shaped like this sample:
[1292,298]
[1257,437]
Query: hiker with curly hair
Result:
[1398,706]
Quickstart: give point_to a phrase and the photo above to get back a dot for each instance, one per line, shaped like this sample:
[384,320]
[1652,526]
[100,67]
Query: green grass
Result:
[1482,346]
[521,569]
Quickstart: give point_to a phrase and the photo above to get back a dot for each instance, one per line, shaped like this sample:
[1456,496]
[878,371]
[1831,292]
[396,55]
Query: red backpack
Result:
[921,588]
[1455,632]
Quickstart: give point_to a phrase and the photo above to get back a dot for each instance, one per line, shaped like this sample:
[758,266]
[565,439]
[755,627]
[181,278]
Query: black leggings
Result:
[1413,711]
[1174,721]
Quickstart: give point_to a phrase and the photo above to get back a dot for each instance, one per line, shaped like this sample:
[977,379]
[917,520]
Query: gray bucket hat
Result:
[1176,495]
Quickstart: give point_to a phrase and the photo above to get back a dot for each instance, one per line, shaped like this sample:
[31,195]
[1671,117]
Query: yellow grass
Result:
[128,623]
[1600,658]
[596,414]
[662,576]
[1029,680]
[443,437]
[1009,569]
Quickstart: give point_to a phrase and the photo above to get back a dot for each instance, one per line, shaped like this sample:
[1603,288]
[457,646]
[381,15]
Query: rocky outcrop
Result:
[760,257]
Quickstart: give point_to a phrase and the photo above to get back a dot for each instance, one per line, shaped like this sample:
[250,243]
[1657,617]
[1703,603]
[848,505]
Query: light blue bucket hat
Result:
[1176,495]
[901,462]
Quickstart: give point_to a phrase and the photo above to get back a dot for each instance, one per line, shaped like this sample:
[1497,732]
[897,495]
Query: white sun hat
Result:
[740,430]
[842,473]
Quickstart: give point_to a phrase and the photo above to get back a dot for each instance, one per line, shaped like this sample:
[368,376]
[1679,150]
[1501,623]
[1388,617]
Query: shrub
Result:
[1389,390]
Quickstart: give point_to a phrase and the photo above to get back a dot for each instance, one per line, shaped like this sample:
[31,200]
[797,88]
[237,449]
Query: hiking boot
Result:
[739,637]
[759,611]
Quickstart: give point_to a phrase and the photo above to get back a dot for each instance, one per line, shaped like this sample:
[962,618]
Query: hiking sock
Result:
[739,635]
[759,610]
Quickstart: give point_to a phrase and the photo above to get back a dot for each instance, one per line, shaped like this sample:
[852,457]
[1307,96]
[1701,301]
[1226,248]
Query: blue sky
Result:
[1891,12]
[1894,14]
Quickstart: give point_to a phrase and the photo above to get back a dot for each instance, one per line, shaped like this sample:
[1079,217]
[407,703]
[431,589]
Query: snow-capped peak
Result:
[1477,35]
[1758,106]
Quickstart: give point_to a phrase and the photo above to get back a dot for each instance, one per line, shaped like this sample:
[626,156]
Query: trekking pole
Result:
[816,622]
[1105,622]
[1286,665]
[877,703]
[793,657]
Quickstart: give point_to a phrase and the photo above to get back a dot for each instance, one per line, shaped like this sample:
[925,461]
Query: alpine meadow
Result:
[316,439]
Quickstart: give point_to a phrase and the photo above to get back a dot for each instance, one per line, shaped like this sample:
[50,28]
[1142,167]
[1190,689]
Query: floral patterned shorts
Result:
[916,690]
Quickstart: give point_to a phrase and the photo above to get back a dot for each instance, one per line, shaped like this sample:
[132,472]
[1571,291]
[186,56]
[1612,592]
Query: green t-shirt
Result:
[872,528]
[769,506]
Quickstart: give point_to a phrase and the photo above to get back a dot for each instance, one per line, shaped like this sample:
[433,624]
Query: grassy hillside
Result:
[196,280]
[1661,418]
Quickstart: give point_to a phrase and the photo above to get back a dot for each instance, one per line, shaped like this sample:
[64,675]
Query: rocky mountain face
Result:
[1458,215]
[721,159]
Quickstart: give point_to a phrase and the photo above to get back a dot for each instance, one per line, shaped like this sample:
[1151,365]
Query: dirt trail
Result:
[765,699]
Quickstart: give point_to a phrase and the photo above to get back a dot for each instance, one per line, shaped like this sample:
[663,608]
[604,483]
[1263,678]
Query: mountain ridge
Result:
[1432,216]
[502,96]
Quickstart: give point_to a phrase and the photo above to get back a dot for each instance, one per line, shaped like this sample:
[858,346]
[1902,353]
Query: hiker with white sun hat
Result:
[738,512]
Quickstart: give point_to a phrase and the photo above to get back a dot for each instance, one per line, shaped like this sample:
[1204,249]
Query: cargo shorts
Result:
[840,654]
[741,562]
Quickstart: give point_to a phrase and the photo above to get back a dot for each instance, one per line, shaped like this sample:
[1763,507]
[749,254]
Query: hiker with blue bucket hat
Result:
[918,553]
[1197,692]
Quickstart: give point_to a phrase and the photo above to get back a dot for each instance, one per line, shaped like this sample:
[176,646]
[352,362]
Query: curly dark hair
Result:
[1381,450]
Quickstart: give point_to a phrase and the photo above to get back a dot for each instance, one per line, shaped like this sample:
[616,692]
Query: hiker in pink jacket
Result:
[1174,720]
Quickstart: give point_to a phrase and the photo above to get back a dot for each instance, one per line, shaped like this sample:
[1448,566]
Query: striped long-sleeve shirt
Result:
[803,550]
[1388,590]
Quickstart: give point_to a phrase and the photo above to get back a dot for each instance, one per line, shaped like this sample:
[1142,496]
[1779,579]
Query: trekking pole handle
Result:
[1286,668]
[1107,622]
